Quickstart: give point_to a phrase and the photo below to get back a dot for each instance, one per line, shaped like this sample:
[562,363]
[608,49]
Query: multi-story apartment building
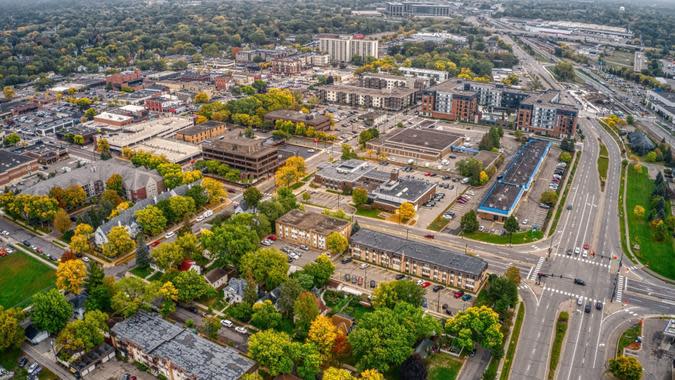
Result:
[344,48]
[201,132]
[389,81]
[417,9]
[132,79]
[394,99]
[543,114]
[252,156]
[262,55]
[310,228]
[418,259]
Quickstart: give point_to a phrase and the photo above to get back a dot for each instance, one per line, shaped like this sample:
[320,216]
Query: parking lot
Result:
[331,200]
[115,369]
[473,196]
[365,273]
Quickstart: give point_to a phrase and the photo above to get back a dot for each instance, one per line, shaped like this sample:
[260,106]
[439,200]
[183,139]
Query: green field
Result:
[142,272]
[658,256]
[21,276]
[369,212]
[443,367]
[518,237]
[621,58]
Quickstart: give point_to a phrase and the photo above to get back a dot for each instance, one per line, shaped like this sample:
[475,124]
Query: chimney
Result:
[393,176]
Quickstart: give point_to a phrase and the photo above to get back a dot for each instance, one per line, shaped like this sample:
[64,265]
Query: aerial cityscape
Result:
[337,190]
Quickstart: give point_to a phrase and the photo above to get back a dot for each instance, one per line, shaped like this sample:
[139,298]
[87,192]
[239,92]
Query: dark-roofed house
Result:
[126,218]
[419,259]
[176,352]
[316,121]
[501,200]
[426,144]
[217,277]
[138,183]
[310,228]
[14,166]
[640,143]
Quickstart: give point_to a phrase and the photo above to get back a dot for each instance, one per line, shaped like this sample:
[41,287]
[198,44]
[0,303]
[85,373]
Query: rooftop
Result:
[407,188]
[296,116]
[186,350]
[312,221]
[394,91]
[174,151]
[149,129]
[203,127]
[419,251]
[422,138]
[549,98]
[9,160]
[346,171]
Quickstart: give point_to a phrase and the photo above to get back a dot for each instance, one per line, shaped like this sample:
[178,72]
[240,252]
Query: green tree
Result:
[268,266]
[252,196]
[513,274]
[271,350]
[151,220]
[625,368]
[131,294]
[182,207]
[336,243]
[11,332]
[320,270]
[565,157]
[305,309]
[476,325]
[265,315]
[564,71]
[191,286]
[142,252]
[384,338]
[511,226]
[199,195]
[229,242]
[119,242]
[469,222]
[103,148]
[167,256]
[630,119]
[51,311]
[210,326]
[359,196]
[116,183]
[84,334]
[289,291]
[348,152]
[11,139]
[389,294]
[549,197]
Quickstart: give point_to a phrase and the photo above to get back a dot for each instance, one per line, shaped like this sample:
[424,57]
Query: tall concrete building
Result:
[344,48]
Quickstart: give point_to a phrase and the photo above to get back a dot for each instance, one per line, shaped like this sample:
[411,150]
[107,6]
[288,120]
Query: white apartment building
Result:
[436,75]
[344,48]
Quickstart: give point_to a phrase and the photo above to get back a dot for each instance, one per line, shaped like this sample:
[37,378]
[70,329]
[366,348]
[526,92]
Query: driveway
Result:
[236,340]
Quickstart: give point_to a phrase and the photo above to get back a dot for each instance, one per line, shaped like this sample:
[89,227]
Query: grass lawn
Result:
[518,237]
[21,276]
[657,255]
[603,164]
[628,337]
[621,58]
[142,272]
[368,212]
[156,276]
[560,331]
[513,342]
[442,366]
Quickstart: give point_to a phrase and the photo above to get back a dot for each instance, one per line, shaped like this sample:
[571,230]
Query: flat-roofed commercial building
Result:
[418,259]
[390,195]
[310,228]
[350,174]
[502,199]
[417,9]
[175,151]
[252,156]
[344,48]
[201,132]
[394,99]
[437,76]
[135,134]
[543,114]
[113,119]
[14,166]
[314,120]
[426,144]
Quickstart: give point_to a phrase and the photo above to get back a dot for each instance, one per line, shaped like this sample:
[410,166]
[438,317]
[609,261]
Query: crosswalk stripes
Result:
[581,259]
[537,268]
[572,295]
[619,288]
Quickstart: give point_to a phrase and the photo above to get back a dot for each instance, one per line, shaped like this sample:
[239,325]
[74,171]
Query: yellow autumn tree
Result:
[71,275]
[215,190]
[406,211]
[291,172]
[333,373]
[323,333]
[79,243]
[483,177]
[371,374]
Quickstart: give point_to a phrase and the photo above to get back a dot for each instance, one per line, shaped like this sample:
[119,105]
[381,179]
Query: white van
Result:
[207,213]
[465,180]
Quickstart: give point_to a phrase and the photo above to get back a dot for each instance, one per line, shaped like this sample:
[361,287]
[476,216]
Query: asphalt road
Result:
[19,235]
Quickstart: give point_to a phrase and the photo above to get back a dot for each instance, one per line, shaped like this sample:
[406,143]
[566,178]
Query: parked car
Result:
[5,232]
[400,276]
[363,266]
[304,247]
[579,281]
[169,235]
[23,361]
[272,237]
[458,293]
[577,250]
[580,301]
[346,260]
[437,288]
[429,236]
[241,330]
[466,297]
[226,323]
[586,246]
[373,284]
[419,282]
[426,284]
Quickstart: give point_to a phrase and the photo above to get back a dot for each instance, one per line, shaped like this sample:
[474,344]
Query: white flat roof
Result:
[133,108]
[174,151]
[149,129]
[107,116]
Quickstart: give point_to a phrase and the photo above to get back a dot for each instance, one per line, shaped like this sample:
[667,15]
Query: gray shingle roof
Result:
[419,251]
[186,350]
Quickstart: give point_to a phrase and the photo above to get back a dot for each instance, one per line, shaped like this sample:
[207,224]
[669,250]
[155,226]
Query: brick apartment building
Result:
[310,228]
[201,132]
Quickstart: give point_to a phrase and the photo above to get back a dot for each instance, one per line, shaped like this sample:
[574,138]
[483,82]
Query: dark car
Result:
[587,308]
[448,312]
[598,305]
[373,283]
[26,243]
[579,281]
[400,276]
[569,251]
[23,361]
[346,260]
[437,288]
[466,297]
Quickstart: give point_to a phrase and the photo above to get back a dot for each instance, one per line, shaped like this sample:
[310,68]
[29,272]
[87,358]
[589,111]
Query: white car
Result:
[363,266]
[5,232]
[420,282]
[169,235]
[85,259]
[226,323]
[525,221]
[577,250]
[199,218]
[241,330]
[9,250]
[584,254]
